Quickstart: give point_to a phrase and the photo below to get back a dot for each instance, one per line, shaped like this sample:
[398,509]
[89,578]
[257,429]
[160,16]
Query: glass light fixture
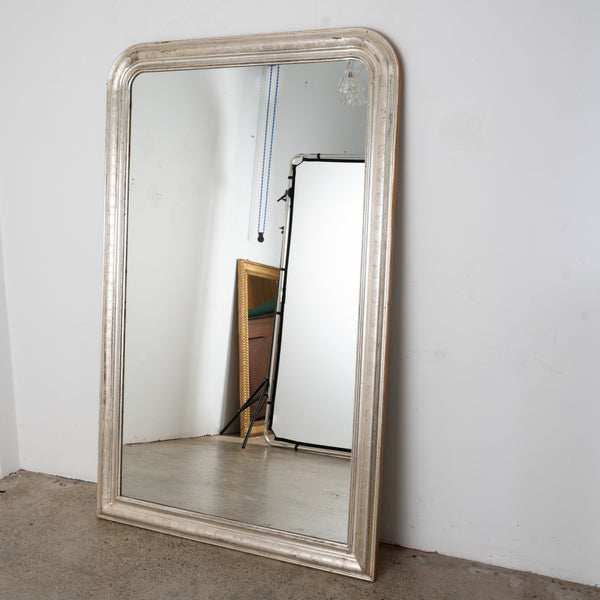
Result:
[351,88]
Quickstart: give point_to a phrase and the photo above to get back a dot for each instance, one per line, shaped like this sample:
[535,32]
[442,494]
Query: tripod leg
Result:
[261,400]
[253,398]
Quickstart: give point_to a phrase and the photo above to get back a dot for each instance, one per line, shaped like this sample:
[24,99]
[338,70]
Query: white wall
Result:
[9,450]
[492,449]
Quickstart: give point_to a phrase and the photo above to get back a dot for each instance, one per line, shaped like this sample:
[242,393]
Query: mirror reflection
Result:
[210,154]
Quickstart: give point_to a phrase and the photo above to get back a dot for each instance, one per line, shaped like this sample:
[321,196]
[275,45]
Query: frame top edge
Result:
[225,49]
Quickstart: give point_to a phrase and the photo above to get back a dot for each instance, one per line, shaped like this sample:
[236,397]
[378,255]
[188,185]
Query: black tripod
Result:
[261,398]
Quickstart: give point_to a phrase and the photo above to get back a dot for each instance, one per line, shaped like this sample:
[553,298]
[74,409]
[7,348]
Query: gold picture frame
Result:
[251,294]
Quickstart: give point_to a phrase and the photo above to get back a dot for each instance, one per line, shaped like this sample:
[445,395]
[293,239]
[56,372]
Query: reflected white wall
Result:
[191,171]
[309,119]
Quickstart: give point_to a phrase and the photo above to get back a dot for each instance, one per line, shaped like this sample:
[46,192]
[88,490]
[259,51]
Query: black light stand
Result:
[261,398]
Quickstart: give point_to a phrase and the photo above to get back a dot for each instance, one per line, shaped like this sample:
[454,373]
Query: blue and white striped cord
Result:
[270,119]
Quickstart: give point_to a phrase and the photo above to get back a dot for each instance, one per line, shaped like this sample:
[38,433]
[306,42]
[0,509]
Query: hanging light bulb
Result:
[351,88]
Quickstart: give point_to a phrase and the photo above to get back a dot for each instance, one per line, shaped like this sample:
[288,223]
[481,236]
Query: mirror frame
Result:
[356,557]
[245,269]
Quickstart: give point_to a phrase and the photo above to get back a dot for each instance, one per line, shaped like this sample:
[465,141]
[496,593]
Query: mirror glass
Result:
[209,158]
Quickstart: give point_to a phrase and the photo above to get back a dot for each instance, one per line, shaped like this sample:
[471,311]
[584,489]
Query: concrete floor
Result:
[52,546]
[214,475]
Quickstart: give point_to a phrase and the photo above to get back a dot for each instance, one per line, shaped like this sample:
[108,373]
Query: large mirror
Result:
[203,170]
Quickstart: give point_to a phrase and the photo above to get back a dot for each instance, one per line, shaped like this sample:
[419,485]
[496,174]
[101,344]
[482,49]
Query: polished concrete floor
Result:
[301,491]
[52,546]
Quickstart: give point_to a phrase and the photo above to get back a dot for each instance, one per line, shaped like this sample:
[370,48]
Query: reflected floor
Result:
[302,492]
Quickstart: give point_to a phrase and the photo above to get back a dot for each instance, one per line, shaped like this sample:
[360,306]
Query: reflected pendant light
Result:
[352,90]
[265,174]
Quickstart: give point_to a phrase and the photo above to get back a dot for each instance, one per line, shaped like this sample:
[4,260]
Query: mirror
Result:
[200,138]
[257,295]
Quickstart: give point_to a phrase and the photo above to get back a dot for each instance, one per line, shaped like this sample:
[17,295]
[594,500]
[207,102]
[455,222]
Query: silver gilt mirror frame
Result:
[358,556]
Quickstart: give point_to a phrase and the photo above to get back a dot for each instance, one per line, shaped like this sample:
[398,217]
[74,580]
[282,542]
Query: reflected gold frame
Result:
[245,269]
[357,556]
